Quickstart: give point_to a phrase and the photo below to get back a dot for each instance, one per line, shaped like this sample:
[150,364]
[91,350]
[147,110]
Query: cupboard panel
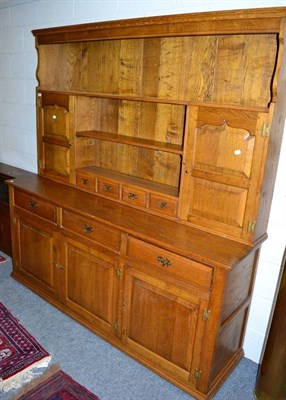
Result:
[160,322]
[29,236]
[231,150]
[57,160]
[36,255]
[55,121]
[217,202]
[171,316]
[89,284]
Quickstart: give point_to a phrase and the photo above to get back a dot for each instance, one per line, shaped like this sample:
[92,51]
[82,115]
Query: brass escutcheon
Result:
[164,262]
[162,204]
[107,188]
[132,196]
[33,204]
[87,228]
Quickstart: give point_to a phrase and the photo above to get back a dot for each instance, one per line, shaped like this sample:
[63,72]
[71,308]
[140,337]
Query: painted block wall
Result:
[18,61]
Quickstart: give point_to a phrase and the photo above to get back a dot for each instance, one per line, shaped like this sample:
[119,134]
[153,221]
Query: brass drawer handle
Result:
[85,181]
[107,188]
[162,204]
[132,196]
[87,228]
[33,204]
[164,262]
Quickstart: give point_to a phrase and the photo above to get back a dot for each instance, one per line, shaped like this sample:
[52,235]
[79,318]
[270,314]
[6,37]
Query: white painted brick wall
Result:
[17,109]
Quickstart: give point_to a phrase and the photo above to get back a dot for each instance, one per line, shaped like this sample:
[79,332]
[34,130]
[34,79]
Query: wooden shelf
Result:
[131,180]
[115,96]
[132,141]
[59,141]
[148,99]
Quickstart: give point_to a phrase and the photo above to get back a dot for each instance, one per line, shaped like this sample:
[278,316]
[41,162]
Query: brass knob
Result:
[87,228]
[85,181]
[162,204]
[132,196]
[107,188]
[164,262]
[33,204]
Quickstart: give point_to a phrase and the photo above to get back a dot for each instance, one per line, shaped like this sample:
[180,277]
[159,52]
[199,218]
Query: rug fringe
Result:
[37,381]
[25,376]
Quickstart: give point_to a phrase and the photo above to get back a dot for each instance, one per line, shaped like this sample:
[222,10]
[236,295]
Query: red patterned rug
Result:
[58,386]
[20,353]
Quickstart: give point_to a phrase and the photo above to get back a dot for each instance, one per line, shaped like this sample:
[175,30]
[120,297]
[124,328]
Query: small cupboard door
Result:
[162,323]
[55,135]
[90,285]
[35,254]
[226,154]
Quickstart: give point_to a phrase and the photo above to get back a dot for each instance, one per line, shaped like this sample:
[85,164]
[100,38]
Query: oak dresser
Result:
[158,144]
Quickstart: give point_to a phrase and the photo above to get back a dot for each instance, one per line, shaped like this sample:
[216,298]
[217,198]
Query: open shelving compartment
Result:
[135,145]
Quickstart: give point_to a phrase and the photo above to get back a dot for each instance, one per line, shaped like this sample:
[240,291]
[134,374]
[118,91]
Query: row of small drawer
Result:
[128,194]
[93,230]
[156,258]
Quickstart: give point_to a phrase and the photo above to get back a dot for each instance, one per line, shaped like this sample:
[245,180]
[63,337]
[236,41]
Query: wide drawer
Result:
[92,230]
[166,262]
[35,205]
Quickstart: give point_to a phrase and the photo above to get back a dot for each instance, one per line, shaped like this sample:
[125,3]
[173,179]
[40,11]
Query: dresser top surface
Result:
[10,172]
[190,242]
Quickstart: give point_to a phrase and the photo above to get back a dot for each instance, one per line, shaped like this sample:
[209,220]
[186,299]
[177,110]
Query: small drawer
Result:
[166,262]
[163,205]
[108,188]
[134,196]
[85,181]
[91,230]
[35,205]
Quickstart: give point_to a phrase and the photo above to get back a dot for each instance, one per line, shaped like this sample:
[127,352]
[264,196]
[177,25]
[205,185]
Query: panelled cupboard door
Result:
[55,135]
[162,323]
[227,153]
[35,257]
[90,284]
